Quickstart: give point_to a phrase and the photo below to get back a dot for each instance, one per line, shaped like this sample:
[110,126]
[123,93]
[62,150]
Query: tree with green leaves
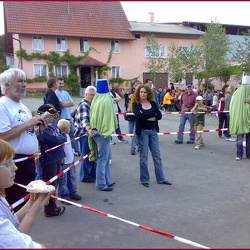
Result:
[242,54]
[182,61]
[213,49]
[155,54]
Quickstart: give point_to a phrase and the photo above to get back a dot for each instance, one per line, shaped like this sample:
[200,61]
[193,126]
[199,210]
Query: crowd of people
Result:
[94,120]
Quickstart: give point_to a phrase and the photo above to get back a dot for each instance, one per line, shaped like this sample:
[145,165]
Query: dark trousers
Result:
[228,135]
[222,123]
[24,175]
[50,171]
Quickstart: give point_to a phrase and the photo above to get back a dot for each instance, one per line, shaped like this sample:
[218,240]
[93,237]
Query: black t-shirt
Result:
[50,97]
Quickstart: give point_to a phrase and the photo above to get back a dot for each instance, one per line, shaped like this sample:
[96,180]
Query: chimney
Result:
[152,17]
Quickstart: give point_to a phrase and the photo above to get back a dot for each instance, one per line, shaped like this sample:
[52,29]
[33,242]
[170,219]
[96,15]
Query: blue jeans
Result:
[67,183]
[131,130]
[104,156]
[149,139]
[75,144]
[183,119]
[39,171]
[239,144]
[118,130]
[88,168]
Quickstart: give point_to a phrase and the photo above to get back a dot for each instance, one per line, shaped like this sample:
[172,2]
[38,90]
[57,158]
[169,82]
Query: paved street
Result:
[208,202]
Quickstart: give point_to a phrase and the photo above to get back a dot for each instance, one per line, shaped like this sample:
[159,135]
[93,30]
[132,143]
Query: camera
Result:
[44,116]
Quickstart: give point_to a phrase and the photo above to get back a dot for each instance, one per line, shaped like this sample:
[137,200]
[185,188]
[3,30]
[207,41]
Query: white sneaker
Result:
[237,158]
[230,139]
[197,147]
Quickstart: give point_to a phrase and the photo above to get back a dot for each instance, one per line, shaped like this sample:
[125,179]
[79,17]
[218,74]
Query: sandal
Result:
[58,212]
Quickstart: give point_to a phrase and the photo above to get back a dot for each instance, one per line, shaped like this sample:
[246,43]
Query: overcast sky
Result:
[226,12]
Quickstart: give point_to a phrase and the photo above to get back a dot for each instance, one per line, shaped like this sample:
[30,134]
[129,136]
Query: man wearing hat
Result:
[103,124]
[17,127]
[51,161]
[187,102]
[240,117]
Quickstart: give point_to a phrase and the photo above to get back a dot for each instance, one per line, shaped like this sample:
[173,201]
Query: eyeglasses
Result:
[8,164]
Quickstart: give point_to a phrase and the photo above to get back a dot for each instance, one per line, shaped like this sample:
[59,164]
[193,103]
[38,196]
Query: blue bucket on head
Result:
[102,86]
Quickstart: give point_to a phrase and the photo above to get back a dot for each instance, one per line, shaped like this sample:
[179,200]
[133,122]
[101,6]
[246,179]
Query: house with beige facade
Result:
[100,29]
[98,32]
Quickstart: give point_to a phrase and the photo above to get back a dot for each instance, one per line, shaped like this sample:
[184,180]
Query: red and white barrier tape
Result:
[166,133]
[171,236]
[180,113]
[17,203]
[176,133]
[50,149]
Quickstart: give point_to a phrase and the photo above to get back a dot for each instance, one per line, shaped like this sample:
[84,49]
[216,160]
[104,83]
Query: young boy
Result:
[67,183]
[199,120]
[50,161]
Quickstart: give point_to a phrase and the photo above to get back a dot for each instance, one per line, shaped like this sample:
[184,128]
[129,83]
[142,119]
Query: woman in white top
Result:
[15,227]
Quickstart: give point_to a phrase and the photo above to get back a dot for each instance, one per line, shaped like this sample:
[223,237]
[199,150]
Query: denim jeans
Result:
[88,168]
[239,144]
[149,139]
[67,182]
[131,130]
[183,119]
[222,123]
[39,171]
[118,130]
[75,144]
[104,155]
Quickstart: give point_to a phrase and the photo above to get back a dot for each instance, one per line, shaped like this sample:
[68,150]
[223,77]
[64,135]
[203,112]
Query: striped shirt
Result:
[82,118]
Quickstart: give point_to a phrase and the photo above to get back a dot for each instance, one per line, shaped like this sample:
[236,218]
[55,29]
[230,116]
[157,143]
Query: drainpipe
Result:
[20,45]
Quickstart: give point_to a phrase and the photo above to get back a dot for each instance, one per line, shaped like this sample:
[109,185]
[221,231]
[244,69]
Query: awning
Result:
[89,61]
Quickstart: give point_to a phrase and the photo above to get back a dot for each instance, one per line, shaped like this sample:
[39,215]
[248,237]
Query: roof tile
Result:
[104,19]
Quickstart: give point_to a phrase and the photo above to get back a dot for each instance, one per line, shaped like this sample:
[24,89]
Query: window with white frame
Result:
[115,46]
[40,70]
[61,70]
[155,51]
[61,44]
[84,45]
[116,71]
[37,43]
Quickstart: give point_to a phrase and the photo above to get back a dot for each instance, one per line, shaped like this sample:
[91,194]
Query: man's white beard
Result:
[17,94]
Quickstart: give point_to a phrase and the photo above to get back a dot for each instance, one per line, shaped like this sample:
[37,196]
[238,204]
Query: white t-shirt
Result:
[13,114]
[69,158]
[10,237]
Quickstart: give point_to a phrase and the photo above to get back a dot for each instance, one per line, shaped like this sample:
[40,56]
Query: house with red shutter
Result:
[97,33]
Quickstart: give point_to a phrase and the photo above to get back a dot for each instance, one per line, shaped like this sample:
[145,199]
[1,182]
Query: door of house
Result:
[85,77]
[161,79]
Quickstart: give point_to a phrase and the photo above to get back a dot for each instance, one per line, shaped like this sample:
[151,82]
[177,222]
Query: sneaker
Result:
[230,139]
[123,141]
[190,142]
[238,158]
[112,143]
[75,197]
[220,137]
[132,152]
[197,147]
